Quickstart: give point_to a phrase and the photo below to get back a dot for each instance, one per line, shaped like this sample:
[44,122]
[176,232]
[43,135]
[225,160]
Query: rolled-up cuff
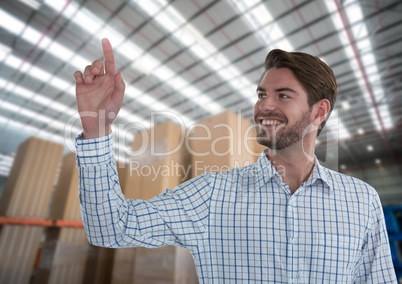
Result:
[92,152]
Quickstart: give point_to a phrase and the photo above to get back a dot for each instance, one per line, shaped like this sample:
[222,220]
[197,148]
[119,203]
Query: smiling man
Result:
[284,219]
[293,102]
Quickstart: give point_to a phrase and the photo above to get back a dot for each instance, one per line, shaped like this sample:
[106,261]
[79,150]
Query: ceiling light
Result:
[360,131]
[377,161]
[370,148]
[345,105]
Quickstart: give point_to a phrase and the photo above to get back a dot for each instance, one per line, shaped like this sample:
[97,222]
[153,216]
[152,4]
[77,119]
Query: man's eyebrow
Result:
[285,89]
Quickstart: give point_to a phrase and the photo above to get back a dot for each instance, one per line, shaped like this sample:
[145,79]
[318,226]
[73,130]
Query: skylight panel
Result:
[29,95]
[165,74]
[4,51]
[386,116]
[189,37]
[130,50]
[14,62]
[11,23]
[178,82]
[170,23]
[39,73]
[359,30]
[147,100]
[55,5]
[33,36]
[261,21]
[354,13]
[111,34]
[62,84]
[200,51]
[58,50]
[152,7]
[87,20]
[62,126]
[185,37]
[9,107]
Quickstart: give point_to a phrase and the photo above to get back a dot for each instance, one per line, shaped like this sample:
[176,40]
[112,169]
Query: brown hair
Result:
[314,75]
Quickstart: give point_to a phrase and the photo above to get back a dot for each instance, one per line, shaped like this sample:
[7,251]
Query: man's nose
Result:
[267,104]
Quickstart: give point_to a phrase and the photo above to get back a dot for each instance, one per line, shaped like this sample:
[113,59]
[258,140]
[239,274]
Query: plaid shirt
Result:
[244,225]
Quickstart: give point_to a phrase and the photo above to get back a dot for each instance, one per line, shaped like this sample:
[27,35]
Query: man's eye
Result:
[261,95]
[283,96]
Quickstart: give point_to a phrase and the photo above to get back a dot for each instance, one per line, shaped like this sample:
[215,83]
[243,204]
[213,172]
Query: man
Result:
[284,219]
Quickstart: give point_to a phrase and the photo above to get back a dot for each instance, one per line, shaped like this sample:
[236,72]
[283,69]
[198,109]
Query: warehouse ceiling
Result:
[186,60]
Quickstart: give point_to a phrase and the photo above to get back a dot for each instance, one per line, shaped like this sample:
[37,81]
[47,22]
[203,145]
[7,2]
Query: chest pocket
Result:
[336,255]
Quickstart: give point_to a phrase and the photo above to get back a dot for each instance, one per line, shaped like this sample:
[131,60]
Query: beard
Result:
[284,136]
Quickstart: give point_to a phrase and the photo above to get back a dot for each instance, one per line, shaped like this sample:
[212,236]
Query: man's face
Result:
[281,113]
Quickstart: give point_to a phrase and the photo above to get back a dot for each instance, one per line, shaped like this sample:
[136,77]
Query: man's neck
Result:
[293,164]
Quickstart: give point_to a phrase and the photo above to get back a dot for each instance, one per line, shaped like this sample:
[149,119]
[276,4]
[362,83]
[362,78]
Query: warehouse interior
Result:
[187,61]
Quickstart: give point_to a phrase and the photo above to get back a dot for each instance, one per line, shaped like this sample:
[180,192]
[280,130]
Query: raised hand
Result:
[100,92]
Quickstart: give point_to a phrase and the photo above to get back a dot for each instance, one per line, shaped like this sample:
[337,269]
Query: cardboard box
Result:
[98,269]
[222,142]
[160,160]
[26,194]
[65,250]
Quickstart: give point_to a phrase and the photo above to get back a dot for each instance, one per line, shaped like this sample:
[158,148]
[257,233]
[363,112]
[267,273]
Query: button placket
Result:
[292,238]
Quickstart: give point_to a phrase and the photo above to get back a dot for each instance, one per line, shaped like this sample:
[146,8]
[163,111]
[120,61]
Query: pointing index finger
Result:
[110,66]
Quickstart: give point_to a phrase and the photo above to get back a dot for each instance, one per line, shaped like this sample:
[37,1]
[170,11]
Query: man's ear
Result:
[320,111]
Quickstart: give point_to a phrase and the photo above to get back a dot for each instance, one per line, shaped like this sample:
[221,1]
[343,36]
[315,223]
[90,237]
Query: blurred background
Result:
[188,60]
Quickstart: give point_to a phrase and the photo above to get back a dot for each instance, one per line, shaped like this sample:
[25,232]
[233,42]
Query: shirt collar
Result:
[266,169]
[319,174]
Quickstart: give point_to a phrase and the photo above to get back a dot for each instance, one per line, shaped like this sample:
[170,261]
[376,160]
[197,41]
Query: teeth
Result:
[270,122]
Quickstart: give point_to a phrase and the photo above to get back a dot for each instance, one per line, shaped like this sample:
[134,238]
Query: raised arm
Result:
[100,92]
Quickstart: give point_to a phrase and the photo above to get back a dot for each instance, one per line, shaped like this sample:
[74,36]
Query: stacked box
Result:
[160,160]
[26,194]
[65,249]
[98,268]
[222,142]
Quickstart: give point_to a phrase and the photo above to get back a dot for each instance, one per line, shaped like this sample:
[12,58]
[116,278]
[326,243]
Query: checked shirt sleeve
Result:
[377,264]
[176,217]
